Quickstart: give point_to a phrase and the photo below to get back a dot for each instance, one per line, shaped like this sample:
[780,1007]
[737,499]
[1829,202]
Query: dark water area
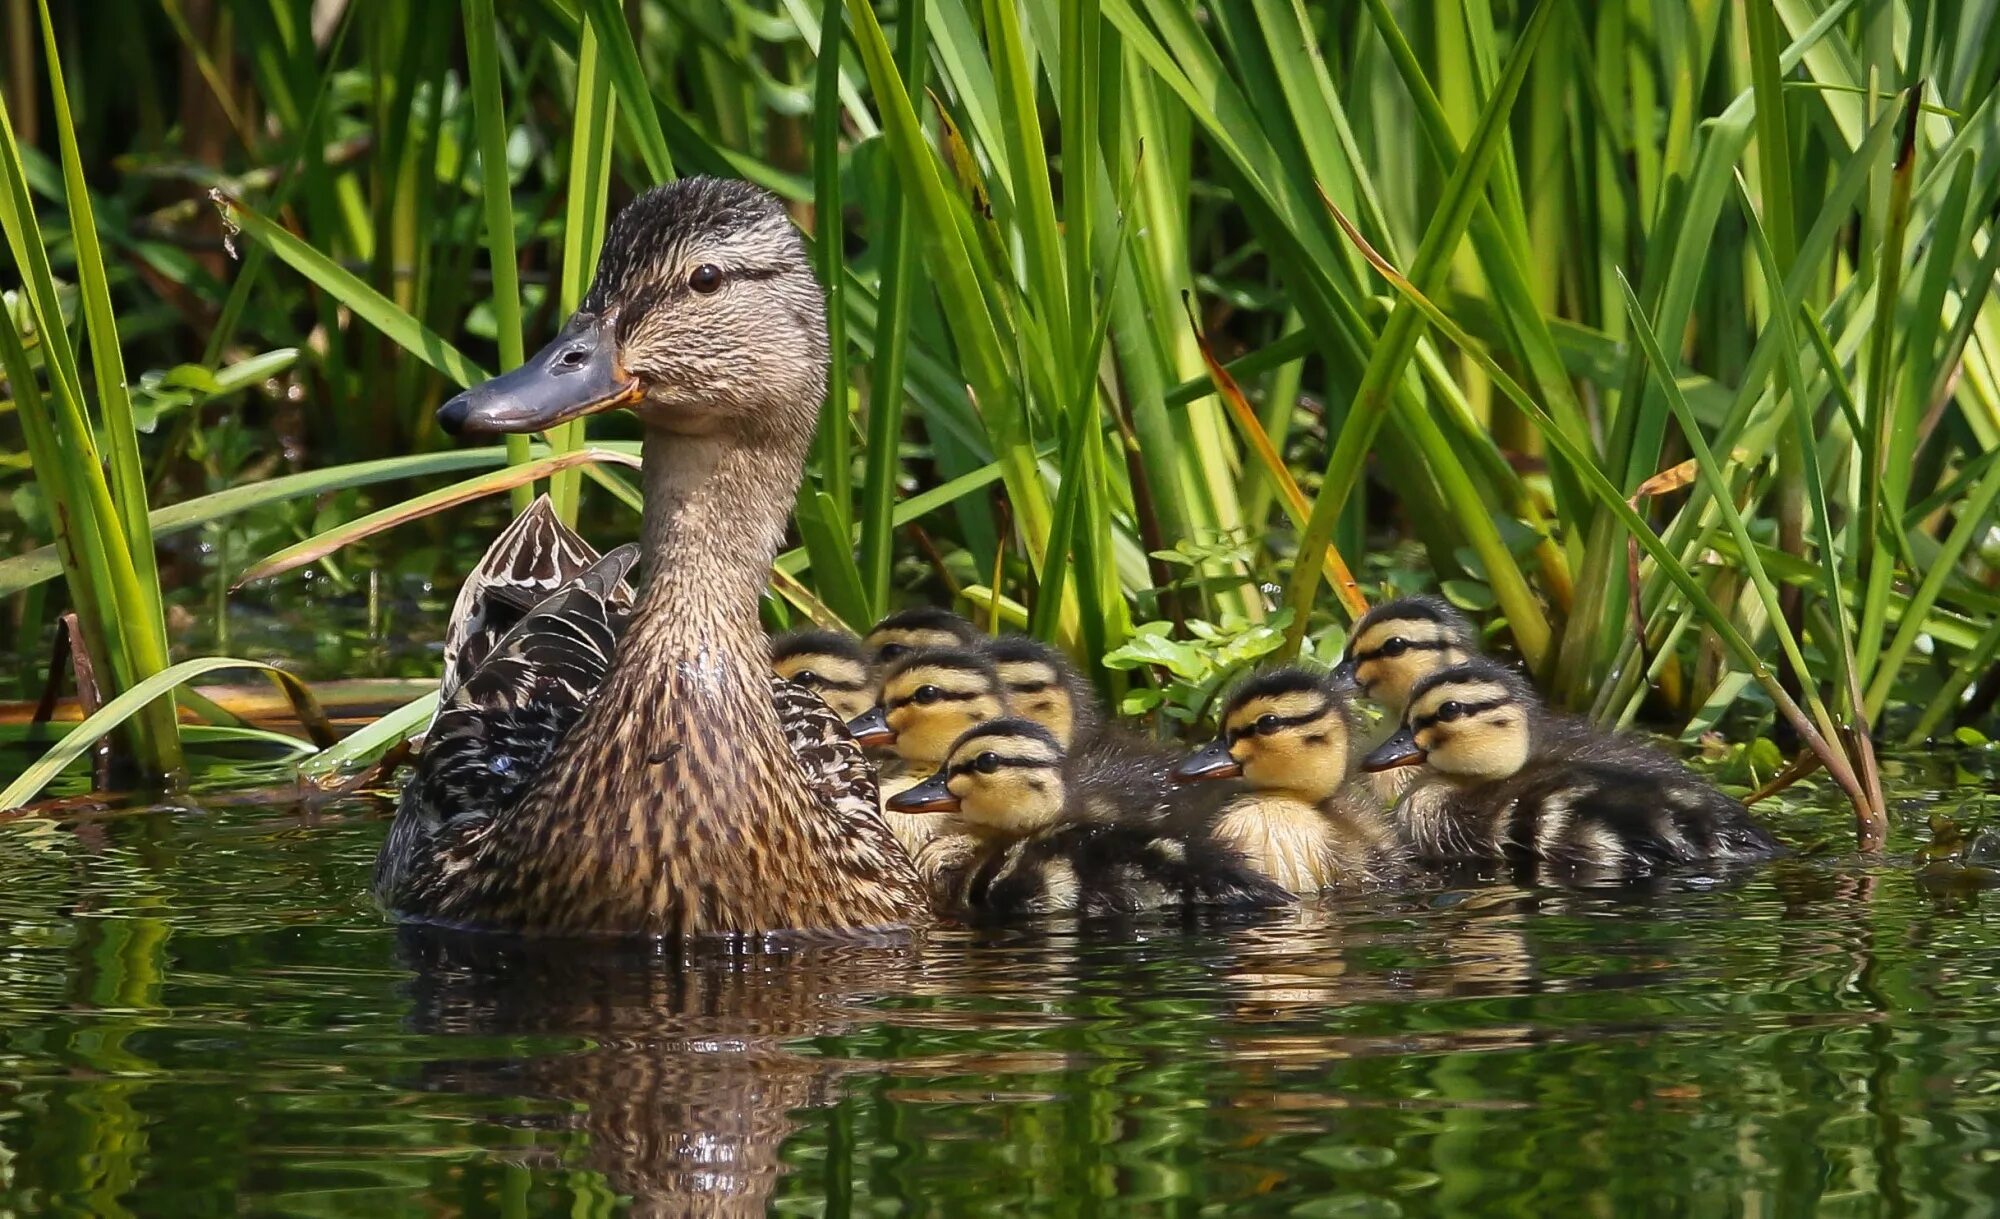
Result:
[201,1012]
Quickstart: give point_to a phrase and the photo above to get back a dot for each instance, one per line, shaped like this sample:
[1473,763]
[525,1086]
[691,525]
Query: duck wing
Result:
[834,766]
[531,560]
[497,729]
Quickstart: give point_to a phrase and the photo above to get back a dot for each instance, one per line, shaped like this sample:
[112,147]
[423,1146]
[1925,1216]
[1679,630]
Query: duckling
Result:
[1030,839]
[1506,779]
[1305,823]
[832,664]
[1398,642]
[929,699]
[916,628]
[1043,686]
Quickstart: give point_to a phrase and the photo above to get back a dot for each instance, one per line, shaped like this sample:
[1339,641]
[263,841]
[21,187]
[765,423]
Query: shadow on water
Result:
[201,1012]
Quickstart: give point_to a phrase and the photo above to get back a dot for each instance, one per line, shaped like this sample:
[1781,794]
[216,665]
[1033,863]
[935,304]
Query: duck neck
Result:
[715,514]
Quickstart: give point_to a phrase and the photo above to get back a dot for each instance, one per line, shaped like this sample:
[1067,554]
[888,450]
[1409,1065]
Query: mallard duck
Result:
[927,701]
[1304,824]
[659,779]
[1398,642]
[1506,779]
[1028,838]
[832,664]
[915,629]
[1043,686]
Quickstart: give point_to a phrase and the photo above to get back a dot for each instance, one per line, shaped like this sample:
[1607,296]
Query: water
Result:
[202,1013]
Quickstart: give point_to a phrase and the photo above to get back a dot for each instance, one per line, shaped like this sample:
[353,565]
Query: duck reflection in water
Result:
[683,1079]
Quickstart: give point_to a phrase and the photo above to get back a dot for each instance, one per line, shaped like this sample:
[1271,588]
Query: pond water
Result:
[201,1012]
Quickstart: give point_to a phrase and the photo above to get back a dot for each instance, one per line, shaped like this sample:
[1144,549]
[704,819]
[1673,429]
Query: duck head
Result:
[704,318]
[1398,642]
[829,663]
[1285,730]
[917,628]
[1003,777]
[1472,721]
[929,699]
[1043,686]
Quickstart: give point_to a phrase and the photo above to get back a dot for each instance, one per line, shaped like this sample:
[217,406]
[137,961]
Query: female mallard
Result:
[1305,823]
[659,779]
[1027,836]
[1506,779]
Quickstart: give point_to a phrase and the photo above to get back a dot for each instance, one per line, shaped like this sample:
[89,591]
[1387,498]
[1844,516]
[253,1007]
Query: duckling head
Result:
[917,628]
[704,319]
[1285,730]
[1043,686]
[929,699]
[829,663]
[1472,721]
[1002,778]
[1398,642]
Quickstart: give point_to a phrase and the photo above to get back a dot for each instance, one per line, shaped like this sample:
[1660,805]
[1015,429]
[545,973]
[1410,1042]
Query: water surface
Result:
[201,1012]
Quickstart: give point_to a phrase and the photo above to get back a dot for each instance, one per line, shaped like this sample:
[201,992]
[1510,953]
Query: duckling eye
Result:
[889,651]
[806,677]
[1265,725]
[1450,710]
[1395,647]
[705,278]
[927,694]
[986,763]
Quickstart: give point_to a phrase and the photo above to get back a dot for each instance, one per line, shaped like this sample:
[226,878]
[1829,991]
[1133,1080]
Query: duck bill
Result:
[576,375]
[1211,762]
[1344,676]
[871,728]
[1399,750]
[930,796]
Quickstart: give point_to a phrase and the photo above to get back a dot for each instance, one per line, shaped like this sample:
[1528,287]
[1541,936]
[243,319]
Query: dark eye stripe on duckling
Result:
[1006,761]
[1465,710]
[1409,645]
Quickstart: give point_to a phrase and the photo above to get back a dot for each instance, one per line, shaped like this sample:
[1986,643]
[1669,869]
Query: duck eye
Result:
[1450,710]
[1266,725]
[1396,646]
[806,677]
[927,694]
[986,763]
[705,278]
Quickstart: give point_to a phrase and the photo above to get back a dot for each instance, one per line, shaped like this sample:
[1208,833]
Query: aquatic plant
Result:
[1658,334]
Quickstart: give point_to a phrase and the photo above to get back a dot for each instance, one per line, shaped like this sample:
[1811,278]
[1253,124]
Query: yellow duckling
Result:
[832,664]
[1030,839]
[928,700]
[914,630]
[1043,686]
[1304,824]
[1506,779]
[1398,643]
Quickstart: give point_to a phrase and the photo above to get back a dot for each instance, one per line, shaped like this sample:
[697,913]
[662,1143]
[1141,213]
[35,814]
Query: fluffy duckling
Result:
[1031,839]
[1304,824]
[832,664]
[928,700]
[1506,779]
[1398,643]
[915,629]
[1043,686]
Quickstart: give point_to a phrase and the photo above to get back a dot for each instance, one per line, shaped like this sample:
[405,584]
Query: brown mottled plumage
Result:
[674,800]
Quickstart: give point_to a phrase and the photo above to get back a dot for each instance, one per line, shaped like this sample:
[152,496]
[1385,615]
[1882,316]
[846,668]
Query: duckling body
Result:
[1306,823]
[1504,779]
[658,779]
[1028,838]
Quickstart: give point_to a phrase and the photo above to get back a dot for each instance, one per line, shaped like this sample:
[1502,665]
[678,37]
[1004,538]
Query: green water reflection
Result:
[201,1013]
